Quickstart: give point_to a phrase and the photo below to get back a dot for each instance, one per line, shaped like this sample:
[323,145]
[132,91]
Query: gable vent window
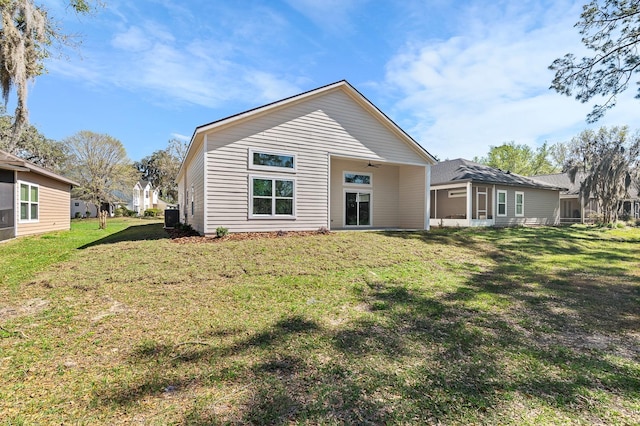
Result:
[351,178]
[268,160]
[457,193]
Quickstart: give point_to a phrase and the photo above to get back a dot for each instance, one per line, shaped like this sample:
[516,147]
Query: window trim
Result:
[344,207]
[273,215]
[252,166]
[498,192]
[29,203]
[355,184]
[521,214]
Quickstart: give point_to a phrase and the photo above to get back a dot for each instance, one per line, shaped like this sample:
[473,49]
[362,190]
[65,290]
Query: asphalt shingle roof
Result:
[461,170]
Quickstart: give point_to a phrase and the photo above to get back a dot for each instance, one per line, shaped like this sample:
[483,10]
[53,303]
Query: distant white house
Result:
[144,197]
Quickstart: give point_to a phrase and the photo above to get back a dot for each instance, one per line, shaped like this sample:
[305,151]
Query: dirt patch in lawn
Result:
[185,237]
[29,307]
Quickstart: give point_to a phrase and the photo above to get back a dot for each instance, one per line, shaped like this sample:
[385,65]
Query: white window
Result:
[29,202]
[502,203]
[271,160]
[271,197]
[519,203]
[360,179]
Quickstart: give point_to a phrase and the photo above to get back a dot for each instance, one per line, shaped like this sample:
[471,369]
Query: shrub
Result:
[123,211]
[78,215]
[152,212]
[221,231]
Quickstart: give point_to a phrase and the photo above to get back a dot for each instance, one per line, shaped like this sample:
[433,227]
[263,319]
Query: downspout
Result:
[328,190]
[494,205]
[204,184]
[427,222]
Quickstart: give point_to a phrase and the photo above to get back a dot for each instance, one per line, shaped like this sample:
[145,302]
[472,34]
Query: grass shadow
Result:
[511,333]
[147,232]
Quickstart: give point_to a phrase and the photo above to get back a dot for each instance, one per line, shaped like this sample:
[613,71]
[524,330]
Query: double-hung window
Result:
[29,202]
[502,203]
[519,203]
[271,197]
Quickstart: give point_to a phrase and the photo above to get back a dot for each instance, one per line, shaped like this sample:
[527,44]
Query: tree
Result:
[26,36]
[161,168]
[32,145]
[99,163]
[605,161]
[519,158]
[611,29]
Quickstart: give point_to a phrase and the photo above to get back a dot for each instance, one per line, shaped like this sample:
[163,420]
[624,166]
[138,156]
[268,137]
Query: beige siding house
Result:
[32,199]
[324,158]
[464,193]
[574,209]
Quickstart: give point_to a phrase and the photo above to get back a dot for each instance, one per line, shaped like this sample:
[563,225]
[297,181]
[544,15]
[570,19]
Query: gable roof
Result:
[461,170]
[11,162]
[340,85]
[573,188]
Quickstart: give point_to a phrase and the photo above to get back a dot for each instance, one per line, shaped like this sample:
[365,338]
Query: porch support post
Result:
[494,204]
[469,204]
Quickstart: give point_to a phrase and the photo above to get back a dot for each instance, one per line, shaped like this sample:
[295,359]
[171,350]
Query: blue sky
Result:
[458,76]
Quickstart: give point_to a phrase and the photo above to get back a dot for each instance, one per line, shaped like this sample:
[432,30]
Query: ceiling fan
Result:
[375,166]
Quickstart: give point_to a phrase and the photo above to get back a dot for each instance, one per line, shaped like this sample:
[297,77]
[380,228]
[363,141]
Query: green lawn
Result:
[506,326]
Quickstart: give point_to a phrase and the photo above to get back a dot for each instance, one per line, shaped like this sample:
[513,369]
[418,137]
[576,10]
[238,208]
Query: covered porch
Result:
[462,204]
[370,194]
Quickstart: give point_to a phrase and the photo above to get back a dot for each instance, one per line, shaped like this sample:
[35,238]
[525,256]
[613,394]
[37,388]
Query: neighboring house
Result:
[573,210]
[81,208]
[144,197]
[327,158]
[464,193]
[32,199]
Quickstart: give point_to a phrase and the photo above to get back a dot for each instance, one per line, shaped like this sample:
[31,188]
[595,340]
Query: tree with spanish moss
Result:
[27,35]
[610,29]
[605,162]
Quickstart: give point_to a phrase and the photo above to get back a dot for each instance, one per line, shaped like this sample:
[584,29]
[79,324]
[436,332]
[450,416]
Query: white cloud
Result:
[490,84]
[149,59]
[329,15]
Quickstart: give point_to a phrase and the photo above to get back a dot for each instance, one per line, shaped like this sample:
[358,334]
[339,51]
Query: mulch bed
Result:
[180,236]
